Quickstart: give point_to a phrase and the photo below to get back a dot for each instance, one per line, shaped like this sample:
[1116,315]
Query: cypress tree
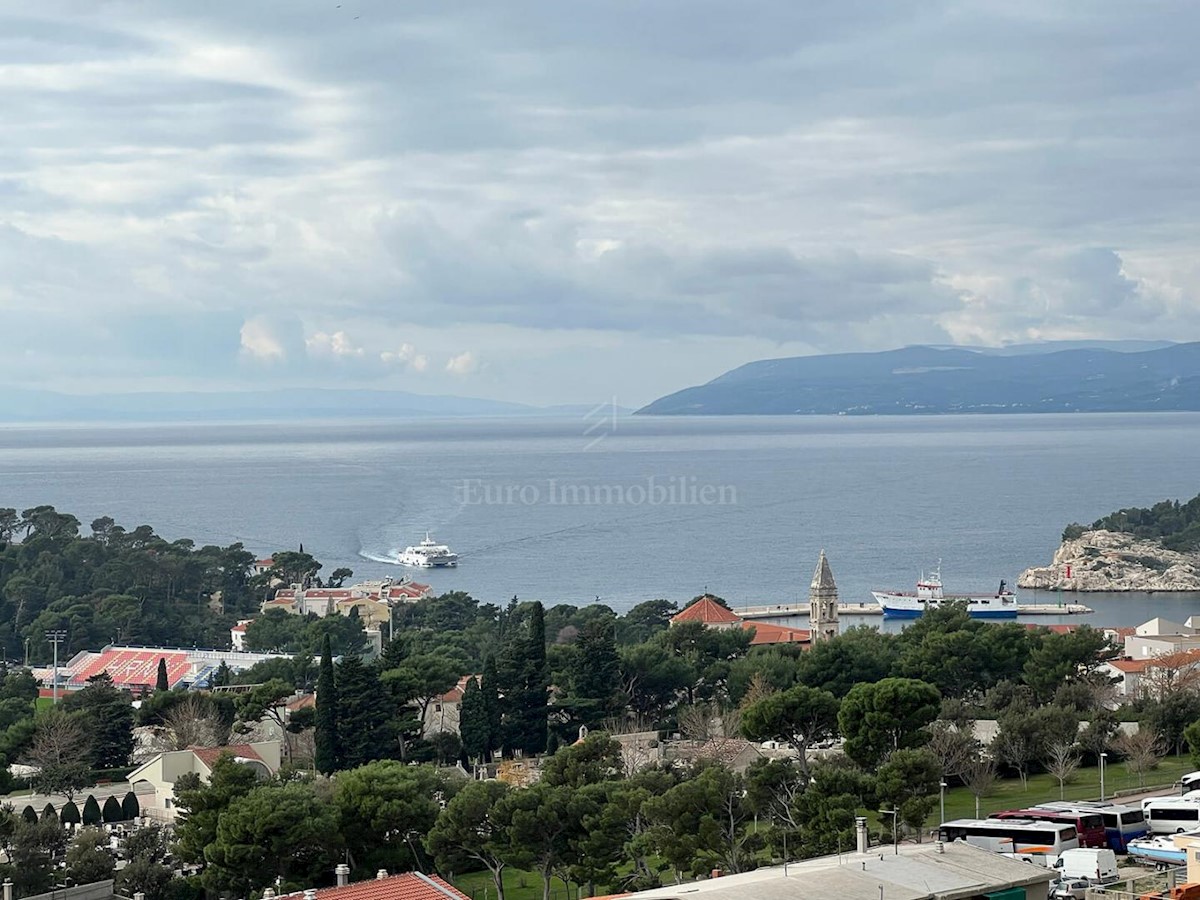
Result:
[161,683]
[489,692]
[112,810]
[49,814]
[472,721]
[223,677]
[596,673]
[91,811]
[70,814]
[536,692]
[130,808]
[325,756]
[364,716]
[29,814]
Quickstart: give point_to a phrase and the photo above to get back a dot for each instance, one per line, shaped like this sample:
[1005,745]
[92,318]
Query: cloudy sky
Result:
[561,201]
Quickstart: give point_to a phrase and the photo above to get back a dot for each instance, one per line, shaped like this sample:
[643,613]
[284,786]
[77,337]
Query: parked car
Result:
[1070,889]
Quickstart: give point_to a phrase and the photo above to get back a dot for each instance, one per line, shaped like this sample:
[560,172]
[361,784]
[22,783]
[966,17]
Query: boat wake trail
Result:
[375,557]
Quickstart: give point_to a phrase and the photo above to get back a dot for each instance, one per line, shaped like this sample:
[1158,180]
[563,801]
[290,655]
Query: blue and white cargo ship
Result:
[928,595]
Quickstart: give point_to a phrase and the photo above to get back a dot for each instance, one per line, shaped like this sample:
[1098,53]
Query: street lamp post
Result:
[1103,760]
[942,798]
[895,828]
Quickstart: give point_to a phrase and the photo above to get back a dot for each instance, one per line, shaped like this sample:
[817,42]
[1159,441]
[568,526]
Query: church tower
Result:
[823,603]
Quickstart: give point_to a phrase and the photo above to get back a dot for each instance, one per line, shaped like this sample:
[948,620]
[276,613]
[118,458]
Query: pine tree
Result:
[325,756]
[472,721]
[492,710]
[364,720]
[536,687]
[223,677]
[161,683]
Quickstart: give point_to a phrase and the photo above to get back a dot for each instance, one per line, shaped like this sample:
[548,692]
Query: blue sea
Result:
[629,508]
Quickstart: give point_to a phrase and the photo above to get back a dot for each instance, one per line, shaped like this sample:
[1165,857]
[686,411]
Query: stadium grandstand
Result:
[136,668]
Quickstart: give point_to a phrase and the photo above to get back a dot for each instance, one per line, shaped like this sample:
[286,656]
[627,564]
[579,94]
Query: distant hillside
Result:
[930,380]
[18,405]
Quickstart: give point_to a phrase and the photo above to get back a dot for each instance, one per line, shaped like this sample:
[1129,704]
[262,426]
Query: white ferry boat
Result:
[910,605]
[428,555]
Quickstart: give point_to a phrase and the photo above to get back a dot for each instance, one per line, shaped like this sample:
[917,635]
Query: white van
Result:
[1097,866]
[1189,782]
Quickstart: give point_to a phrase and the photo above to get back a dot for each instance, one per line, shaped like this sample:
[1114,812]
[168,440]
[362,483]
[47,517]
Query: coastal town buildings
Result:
[710,613]
[409,886]
[135,668]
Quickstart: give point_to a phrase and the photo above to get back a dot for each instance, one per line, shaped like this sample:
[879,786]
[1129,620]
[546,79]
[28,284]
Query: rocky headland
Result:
[1114,561]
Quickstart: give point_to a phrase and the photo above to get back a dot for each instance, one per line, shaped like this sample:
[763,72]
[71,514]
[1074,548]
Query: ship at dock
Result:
[929,595]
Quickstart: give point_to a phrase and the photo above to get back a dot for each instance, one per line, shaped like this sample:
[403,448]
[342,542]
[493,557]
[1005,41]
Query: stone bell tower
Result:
[823,603]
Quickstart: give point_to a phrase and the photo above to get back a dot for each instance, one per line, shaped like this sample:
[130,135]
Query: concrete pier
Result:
[801,610]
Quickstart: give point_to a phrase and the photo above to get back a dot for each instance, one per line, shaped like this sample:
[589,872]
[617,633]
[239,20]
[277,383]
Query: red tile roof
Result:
[1122,631]
[708,611]
[409,886]
[766,633]
[1129,665]
[210,755]
[1057,629]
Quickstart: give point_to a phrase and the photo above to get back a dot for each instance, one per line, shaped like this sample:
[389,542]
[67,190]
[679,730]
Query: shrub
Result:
[130,806]
[112,810]
[70,814]
[91,811]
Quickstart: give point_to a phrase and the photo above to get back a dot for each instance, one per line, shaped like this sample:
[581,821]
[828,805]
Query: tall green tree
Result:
[472,721]
[160,682]
[107,716]
[535,693]
[201,805]
[703,823]
[280,831]
[891,714]
[364,722]
[595,677]
[800,716]
[385,809]
[489,690]
[467,834]
[325,755]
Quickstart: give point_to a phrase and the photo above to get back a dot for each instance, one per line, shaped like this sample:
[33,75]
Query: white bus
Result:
[1122,822]
[1171,815]
[1012,835]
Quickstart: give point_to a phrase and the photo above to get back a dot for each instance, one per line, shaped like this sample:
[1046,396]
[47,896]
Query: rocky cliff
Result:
[1112,561]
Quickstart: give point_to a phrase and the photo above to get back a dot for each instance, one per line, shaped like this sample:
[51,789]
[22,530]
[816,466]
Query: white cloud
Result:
[406,357]
[336,346]
[463,364]
[262,342]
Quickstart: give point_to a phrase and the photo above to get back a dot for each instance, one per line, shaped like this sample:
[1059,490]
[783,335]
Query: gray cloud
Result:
[544,177]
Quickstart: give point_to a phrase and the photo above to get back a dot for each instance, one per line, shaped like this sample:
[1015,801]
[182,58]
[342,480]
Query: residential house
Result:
[443,713]
[409,886]
[162,771]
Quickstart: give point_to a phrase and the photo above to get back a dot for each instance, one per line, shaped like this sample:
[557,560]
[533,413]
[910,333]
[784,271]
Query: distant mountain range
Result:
[20,405]
[1113,376]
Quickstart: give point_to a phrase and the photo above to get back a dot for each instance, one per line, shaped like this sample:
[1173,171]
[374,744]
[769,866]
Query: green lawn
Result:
[1085,785]
[517,886]
[42,703]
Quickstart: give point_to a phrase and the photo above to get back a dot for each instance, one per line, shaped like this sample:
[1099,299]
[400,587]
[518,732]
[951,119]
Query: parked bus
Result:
[1171,815]
[1088,825]
[1014,835]
[1122,822]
